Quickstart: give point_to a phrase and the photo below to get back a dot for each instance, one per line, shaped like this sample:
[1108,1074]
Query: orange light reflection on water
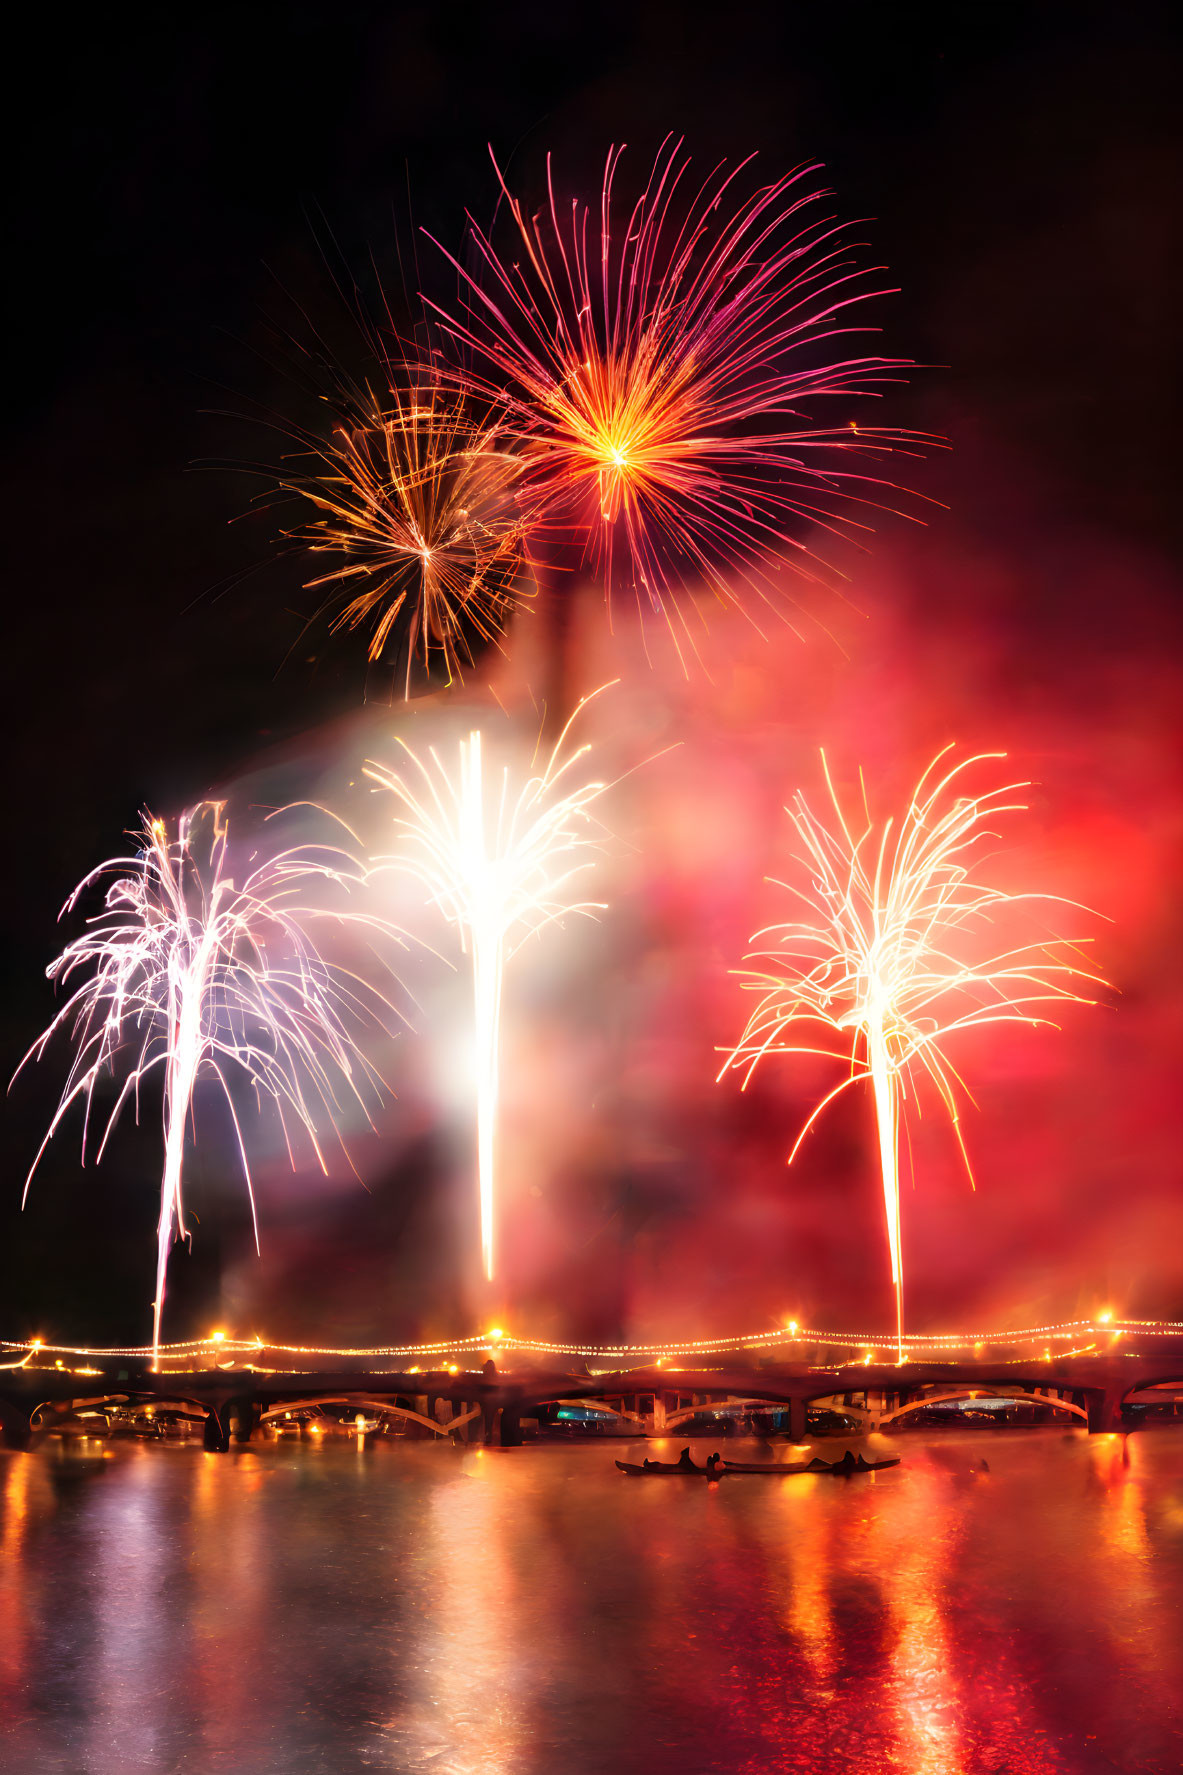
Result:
[18,1474]
[502,1611]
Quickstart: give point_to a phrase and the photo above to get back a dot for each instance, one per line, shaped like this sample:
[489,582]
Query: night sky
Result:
[181,187]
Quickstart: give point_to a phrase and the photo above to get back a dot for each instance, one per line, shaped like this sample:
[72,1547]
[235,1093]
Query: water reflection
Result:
[17,1481]
[325,1609]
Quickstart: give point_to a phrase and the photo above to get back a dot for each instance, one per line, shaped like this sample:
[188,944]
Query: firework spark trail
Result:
[418,499]
[194,974]
[499,861]
[875,960]
[655,379]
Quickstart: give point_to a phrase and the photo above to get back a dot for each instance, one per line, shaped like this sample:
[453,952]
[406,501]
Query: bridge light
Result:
[217,1337]
[792,1325]
[496,1332]
[452,1368]
[1105,1317]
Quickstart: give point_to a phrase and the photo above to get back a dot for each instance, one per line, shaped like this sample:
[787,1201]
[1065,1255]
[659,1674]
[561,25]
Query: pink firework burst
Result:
[656,371]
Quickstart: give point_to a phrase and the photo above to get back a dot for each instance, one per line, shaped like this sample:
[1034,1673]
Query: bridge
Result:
[234,1398]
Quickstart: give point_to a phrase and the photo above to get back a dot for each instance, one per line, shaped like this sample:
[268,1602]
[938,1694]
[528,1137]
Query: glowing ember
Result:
[499,862]
[875,960]
[654,372]
[189,974]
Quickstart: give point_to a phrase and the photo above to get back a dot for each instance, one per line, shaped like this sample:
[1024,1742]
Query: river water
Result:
[298,1610]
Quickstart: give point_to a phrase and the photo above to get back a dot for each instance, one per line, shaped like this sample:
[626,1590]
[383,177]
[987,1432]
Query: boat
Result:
[849,1463]
[665,1468]
[852,1463]
[777,1468]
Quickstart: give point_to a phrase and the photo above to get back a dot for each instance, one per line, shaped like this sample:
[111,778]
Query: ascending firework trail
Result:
[892,954]
[189,973]
[498,858]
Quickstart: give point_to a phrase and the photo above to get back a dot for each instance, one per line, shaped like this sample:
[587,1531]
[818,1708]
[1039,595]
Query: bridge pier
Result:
[244,1415]
[509,1427]
[216,1434]
[797,1419]
[16,1431]
[1104,1410]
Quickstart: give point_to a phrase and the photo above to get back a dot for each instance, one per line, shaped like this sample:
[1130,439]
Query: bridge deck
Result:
[516,1388]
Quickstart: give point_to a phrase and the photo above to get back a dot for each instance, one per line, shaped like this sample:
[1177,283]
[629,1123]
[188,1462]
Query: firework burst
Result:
[189,974]
[887,958]
[656,370]
[499,860]
[416,498]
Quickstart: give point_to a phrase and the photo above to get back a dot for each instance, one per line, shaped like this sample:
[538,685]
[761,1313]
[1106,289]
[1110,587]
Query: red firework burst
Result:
[657,379]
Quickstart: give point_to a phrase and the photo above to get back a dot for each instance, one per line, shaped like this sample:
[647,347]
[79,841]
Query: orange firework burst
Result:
[656,378]
[417,497]
[883,959]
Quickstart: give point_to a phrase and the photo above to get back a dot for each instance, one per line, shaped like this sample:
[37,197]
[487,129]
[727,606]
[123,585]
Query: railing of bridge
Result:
[1104,1335]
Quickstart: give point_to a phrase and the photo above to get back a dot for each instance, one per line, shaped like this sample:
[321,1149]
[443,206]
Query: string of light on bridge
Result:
[221,1348]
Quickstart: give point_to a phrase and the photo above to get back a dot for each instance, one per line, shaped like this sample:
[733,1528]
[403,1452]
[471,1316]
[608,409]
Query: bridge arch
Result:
[1173,1378]
[722,1402]
[621,1411]
[48,1414]
[388,1407]
[969,1394]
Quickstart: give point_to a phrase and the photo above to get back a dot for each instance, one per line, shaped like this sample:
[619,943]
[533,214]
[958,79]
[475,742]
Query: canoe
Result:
[859,1465]
[664,1469]
[776,1468]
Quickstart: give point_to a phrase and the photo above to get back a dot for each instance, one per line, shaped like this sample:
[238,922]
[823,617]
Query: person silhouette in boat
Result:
[683,1464]
[715,1465]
